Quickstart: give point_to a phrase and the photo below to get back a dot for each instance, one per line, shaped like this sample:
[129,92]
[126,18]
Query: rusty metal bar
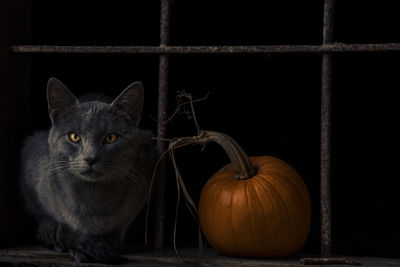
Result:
[161,124]
[165,49]
[326,90]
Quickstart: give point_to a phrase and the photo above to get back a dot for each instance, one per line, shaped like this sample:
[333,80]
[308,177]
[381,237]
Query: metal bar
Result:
[164,22]
[164,49]
[326,90]
[161,124]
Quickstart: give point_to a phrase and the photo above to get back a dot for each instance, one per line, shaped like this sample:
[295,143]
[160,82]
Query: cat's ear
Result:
[59,98]
[131,101]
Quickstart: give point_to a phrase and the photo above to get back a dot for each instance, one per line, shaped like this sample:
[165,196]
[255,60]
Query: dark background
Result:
[270,104]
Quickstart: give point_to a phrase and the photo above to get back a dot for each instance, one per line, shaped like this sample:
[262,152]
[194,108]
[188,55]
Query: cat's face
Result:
[93,140]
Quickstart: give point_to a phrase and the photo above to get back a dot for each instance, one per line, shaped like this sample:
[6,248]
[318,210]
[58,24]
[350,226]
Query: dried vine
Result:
[174,144]
[239,161]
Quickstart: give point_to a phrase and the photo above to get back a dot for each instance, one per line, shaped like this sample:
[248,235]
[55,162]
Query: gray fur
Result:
[85,195]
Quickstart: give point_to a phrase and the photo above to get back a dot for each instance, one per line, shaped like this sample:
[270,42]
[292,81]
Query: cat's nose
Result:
[91,160]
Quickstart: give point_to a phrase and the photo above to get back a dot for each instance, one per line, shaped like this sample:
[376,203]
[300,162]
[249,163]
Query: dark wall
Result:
[269,104]
[14,93]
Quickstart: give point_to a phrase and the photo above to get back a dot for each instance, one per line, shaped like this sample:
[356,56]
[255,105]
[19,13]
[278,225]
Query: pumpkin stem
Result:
[240,161]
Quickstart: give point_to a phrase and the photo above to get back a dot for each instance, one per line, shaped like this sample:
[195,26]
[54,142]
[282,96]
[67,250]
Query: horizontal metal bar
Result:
[270,49]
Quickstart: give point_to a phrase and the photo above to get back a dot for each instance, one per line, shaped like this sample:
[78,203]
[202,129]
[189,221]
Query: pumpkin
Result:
[254,207]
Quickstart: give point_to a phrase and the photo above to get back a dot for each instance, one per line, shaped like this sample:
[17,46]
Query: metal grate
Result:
[327,49]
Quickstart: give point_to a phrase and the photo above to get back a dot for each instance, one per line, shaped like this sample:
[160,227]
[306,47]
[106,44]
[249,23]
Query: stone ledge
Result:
[38,256]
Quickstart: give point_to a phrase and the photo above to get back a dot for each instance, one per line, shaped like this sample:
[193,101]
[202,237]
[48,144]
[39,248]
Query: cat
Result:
[86,179]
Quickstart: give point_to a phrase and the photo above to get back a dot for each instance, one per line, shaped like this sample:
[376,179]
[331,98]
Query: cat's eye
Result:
[74,137]
[111,138]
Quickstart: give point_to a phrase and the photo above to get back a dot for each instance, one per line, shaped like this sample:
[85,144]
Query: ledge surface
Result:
[38,256]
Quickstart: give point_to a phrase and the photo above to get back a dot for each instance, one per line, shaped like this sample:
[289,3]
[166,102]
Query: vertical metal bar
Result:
[326,87]
[161,125]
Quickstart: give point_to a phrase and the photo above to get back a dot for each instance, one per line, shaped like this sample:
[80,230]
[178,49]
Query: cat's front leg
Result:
[48,232]
[87,248]
[84,248]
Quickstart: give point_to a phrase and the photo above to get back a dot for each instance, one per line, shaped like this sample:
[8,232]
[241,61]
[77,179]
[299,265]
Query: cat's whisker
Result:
[132,177]
[124,172]
[57,164]
[134,174]
[116,173]
[59,174]
[58,168]
[124,175]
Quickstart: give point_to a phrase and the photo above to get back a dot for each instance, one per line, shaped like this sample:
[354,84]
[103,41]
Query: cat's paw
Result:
[96,252]
[80,256]
[59,249]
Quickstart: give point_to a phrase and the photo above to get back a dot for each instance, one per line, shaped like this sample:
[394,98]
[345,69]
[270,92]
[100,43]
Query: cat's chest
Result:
[91,207]
[93,199]
[102,202]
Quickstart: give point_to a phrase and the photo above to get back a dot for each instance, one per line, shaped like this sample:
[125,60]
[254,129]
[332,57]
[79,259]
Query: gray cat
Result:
[86,179]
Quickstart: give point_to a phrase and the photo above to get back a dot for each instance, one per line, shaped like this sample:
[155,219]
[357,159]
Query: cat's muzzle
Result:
[90,174]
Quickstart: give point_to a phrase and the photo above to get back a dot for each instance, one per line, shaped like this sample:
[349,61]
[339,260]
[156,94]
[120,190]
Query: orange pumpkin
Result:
[257,207]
